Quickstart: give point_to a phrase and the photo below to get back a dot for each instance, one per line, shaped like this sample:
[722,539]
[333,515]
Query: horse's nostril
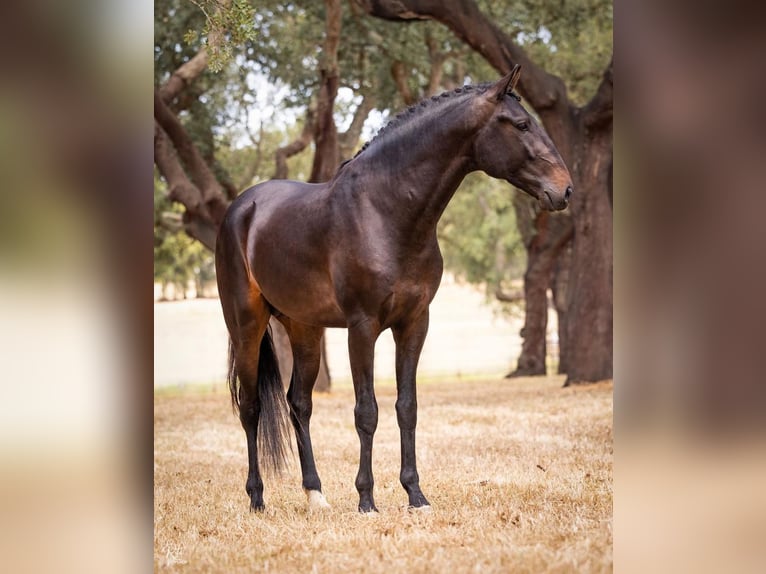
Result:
[567,193]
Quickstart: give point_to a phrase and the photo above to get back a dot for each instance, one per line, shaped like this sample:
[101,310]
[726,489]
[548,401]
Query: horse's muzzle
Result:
[551,202]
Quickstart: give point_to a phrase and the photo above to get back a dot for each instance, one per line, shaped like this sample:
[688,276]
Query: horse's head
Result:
[511,145]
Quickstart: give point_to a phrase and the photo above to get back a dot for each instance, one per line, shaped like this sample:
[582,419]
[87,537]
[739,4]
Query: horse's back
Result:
[272,195]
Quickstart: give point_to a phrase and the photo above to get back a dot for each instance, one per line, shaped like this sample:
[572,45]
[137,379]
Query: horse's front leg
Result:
[361,347]
[409,338]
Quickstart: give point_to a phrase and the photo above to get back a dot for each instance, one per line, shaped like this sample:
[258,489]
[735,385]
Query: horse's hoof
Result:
[316,500]
[368,511]
[426,509]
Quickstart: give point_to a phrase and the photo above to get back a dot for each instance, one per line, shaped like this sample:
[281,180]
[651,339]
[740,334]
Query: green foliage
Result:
[232,27]
[478,234]
[251,164]
[572,39]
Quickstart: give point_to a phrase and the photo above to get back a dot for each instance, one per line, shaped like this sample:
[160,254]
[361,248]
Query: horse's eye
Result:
[523,126]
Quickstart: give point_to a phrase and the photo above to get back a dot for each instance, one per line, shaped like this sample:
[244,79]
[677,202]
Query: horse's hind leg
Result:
[247,355]
[254,381]
[247,329]
[306,344]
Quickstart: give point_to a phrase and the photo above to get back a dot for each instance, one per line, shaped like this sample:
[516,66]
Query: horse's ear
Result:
[504,85]
[515,75]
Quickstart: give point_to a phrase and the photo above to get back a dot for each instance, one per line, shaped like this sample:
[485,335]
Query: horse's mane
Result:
[417,109]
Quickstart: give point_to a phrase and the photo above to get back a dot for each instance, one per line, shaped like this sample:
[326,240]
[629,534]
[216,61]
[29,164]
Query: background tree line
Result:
[336,66]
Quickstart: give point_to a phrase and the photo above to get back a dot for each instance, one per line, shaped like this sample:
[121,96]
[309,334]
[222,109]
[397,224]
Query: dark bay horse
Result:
[360,252]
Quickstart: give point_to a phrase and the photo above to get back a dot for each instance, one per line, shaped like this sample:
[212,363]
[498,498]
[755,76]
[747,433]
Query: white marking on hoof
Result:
[316,499]
[424,509]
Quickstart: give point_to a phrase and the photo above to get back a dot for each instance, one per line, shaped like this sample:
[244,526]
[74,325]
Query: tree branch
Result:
[466,21]
[183,76]
[180,188]
[515,296]
[399,75]
[294,147]
[197,221]
[209,187]
[598,111]
[436,59]
[200,228]
[349,139]
[188,71]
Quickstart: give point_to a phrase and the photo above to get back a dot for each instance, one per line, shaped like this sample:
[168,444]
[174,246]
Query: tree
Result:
[545,236]
[583,135]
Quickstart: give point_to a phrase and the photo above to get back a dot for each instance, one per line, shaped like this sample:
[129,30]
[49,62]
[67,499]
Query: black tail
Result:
[274,423]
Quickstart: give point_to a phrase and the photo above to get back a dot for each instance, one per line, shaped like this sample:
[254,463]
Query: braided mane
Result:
[416,109]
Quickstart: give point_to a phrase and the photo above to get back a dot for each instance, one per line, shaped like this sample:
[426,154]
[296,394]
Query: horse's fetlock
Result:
[253,486]
[364,484]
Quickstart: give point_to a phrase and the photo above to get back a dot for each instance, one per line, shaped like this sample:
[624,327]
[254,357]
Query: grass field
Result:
[519,475]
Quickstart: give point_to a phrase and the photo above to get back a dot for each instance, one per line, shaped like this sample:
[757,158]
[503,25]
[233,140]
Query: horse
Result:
[360,252]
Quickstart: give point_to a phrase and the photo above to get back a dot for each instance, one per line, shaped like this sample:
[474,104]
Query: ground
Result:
[519,475]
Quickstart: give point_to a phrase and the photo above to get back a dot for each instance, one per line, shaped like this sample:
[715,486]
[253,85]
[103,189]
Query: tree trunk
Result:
[536,280]
[544,238]
[327,151]
[321,124]
[560,296]
[589,310]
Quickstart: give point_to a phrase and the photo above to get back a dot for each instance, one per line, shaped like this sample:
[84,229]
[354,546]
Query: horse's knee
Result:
[406,412]
[366,417]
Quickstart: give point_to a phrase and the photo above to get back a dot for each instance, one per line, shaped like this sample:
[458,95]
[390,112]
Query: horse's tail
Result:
[273,413]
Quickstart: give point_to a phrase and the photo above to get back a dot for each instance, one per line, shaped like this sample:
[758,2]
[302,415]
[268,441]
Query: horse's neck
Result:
[417,176]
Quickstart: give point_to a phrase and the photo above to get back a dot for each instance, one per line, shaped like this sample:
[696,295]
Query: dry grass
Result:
[519,474]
